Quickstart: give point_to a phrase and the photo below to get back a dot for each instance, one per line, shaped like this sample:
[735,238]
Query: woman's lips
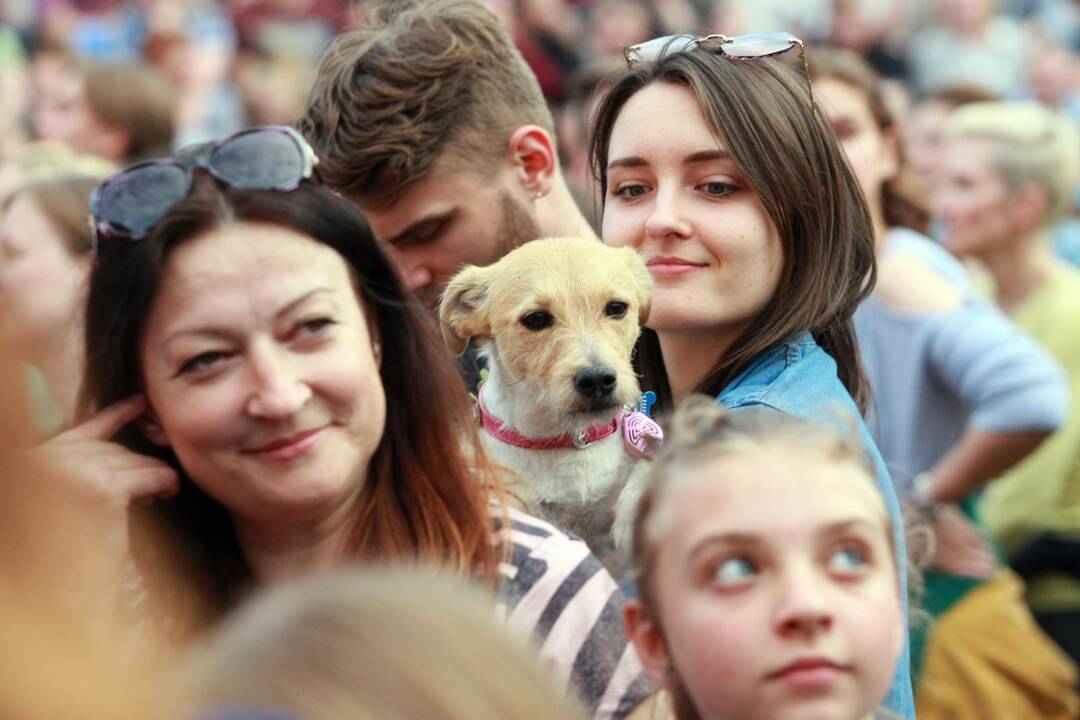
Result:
[671,267]
[291,446]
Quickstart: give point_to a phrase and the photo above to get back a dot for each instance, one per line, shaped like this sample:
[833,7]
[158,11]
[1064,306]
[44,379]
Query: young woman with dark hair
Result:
[294,408]
[716,166]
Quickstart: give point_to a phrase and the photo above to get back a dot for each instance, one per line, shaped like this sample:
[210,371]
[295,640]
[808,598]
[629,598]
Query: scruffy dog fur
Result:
[556,320]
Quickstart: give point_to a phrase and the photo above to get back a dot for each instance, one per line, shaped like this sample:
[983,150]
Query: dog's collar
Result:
[503,432]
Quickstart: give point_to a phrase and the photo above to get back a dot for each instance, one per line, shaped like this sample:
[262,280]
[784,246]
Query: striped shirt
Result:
[554,590]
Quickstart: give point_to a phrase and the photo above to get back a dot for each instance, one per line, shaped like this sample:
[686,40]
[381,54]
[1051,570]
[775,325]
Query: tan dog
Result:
[556,320]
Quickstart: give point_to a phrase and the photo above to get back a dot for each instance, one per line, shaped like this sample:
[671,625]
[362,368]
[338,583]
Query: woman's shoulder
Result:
[918,276]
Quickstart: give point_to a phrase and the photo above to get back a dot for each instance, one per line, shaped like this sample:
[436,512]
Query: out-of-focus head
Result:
[1010,169]
[967,16]
[724,165]
[852,96]
[924,128]
[123,113]
[764,556]
[370,645]
[45,244]
[429,119]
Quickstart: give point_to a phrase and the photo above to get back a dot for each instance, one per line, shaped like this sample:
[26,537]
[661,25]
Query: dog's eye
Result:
[537,320]
[616,309]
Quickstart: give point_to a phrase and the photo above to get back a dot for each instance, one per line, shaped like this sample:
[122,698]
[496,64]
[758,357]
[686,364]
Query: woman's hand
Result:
[959,547]
[107,475]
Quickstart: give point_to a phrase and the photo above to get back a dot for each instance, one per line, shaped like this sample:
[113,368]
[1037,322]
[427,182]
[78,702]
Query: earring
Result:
[376,349]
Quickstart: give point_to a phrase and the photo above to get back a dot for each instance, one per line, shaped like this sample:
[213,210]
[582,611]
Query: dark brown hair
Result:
[135,98]
[789,157]
[427,494]
[903,198]
[418,80]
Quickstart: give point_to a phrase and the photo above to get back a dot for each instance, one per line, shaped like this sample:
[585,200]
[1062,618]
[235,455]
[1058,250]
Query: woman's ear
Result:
[649,643]
[151,428]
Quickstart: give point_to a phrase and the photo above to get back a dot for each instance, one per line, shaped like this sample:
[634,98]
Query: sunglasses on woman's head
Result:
[741,47]
[130,203]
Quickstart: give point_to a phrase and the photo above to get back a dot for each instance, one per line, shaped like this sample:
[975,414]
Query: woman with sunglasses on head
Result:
[960,395]
[714,164]
[294,409]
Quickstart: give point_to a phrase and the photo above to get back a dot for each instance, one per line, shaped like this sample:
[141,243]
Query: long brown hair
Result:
[790,158]
[426,498]
[903,197]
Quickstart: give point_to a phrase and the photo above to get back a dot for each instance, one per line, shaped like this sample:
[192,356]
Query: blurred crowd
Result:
[90,86]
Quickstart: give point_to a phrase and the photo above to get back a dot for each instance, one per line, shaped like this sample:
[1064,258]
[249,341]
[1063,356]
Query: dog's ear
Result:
[460,310]
[642,280]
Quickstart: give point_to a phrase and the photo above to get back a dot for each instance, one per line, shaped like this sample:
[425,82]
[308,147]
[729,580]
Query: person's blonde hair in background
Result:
[371,644]
[1032,147]
[44,160]
[766,578]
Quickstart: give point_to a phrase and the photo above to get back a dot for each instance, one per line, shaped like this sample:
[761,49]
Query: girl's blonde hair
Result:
[1032,144]
[703,431]
[371,645]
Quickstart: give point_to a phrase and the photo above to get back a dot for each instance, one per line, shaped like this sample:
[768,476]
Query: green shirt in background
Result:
[1042,494]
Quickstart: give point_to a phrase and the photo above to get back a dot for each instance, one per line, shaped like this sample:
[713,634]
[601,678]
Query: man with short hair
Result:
[430,121]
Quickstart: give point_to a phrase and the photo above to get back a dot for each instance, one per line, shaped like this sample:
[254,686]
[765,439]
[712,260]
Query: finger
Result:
[148,483]
[108,422]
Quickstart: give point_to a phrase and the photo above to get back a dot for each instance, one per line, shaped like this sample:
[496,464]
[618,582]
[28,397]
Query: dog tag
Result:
[641,435]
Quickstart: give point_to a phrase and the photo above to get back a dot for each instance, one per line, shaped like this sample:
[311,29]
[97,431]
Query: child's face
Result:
[776,591]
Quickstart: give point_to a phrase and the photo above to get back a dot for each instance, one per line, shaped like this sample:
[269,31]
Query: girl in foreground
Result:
[765,566]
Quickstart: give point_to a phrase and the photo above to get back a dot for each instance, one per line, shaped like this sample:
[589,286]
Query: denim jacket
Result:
[799,378]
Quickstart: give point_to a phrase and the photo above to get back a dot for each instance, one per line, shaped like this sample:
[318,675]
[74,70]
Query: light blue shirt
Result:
[799,378]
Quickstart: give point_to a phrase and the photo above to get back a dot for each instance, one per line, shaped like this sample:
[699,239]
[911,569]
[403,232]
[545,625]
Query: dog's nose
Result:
[595,382]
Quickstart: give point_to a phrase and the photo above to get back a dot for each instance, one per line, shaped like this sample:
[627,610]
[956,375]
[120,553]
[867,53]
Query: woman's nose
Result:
[278,390]
[667,221]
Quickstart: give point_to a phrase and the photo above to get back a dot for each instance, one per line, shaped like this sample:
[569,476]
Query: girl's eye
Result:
[848,560]
[630,191]
[201,363]
[734,571]
[717,188]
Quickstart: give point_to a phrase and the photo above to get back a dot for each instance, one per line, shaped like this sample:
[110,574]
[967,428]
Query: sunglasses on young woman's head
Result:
[130,203]
[741,47]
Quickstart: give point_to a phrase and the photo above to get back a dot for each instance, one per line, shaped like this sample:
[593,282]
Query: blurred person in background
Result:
[959,396]
[969,43]
[123,113]
[45,257]
[40,264]
[376,644]
[193,45]
[923,129]
[1010,171]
